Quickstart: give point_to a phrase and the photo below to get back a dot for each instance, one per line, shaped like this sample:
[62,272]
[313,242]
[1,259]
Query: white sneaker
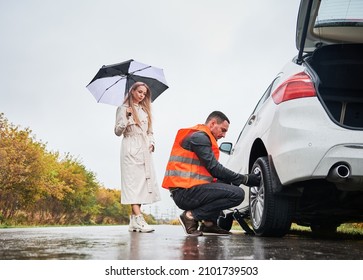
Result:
[140,225]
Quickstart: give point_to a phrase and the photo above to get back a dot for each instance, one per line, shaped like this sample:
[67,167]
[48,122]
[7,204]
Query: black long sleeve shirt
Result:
[200,144]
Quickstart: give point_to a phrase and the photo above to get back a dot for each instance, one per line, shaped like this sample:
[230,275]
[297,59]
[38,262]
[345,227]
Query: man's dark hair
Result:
[219,116]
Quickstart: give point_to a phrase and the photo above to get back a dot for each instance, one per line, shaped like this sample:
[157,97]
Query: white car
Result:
[305,135]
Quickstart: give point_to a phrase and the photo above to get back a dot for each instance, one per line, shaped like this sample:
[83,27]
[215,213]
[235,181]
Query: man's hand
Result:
[252,180]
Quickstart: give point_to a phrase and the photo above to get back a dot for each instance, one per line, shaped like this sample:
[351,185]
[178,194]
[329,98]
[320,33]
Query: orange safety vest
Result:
[184,170]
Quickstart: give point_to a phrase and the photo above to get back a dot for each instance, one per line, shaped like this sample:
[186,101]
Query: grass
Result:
[345,231]
[344,228]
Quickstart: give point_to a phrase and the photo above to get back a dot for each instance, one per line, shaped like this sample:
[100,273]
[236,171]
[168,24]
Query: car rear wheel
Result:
[271,214]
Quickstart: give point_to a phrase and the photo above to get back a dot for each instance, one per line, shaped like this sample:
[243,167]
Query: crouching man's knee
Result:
[239,195]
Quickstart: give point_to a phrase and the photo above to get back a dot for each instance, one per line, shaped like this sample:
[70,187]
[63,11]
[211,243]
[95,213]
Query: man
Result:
[198,183]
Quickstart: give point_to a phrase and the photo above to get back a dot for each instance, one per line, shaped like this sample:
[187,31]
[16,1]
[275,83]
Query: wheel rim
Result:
[257,201]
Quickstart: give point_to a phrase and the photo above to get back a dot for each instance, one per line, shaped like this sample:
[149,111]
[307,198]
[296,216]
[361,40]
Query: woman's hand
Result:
[128,112]
[151,148]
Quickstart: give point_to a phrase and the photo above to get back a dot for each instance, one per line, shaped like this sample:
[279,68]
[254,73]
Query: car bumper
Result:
[305,143]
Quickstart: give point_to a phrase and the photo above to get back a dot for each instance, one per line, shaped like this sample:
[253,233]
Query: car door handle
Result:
[251,119]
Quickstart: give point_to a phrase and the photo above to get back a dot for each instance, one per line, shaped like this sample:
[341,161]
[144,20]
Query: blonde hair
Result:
[145,103]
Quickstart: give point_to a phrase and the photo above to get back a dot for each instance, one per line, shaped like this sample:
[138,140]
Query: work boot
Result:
[190,226]
[213,230]
[140,225]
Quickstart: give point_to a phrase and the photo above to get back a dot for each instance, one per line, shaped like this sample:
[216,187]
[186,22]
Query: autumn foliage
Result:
[41,187]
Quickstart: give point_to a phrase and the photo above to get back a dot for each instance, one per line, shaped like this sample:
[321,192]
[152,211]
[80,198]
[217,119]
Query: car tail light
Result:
[297,86]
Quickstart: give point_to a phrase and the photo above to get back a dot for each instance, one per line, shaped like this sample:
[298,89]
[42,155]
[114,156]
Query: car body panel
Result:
[299,125]
[299,143]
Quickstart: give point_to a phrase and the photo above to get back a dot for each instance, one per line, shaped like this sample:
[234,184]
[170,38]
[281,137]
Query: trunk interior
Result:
[340,85]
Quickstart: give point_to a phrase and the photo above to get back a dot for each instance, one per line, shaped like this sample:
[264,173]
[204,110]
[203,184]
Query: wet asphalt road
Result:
[166,243]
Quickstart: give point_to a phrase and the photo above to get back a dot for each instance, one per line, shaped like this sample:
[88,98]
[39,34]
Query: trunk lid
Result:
[327,22]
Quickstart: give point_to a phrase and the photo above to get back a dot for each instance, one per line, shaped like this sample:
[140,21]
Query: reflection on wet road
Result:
[166,243]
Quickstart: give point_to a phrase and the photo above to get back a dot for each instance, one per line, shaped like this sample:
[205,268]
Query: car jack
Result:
[240,219]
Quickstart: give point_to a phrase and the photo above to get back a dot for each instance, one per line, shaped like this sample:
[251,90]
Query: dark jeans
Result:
[206,201]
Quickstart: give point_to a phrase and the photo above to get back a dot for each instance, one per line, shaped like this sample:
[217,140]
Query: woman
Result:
[138,180]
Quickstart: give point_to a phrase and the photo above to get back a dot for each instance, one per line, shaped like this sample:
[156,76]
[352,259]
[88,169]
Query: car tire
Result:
[271,214]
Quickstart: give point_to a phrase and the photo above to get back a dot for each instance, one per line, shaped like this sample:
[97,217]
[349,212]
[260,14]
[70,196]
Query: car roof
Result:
[329,22]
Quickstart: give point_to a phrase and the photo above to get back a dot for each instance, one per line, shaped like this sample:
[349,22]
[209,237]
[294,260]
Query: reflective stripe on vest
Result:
[184,169]
[175,173]
[185,160]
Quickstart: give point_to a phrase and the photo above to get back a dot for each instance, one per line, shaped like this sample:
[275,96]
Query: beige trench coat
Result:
[138,179]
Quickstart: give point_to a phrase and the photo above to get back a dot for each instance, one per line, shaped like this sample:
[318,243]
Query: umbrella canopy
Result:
[112,82]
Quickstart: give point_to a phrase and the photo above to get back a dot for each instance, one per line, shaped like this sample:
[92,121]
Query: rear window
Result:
[340,13]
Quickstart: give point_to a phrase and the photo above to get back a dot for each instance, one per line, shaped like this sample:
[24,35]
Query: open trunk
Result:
[340,82]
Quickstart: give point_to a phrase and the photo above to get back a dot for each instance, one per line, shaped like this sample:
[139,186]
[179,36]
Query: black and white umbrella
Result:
[112,82]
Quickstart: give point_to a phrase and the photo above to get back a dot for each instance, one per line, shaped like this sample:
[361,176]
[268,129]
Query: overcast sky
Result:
[216,55]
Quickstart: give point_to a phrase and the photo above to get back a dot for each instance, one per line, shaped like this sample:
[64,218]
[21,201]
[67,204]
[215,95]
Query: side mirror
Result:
[226,147]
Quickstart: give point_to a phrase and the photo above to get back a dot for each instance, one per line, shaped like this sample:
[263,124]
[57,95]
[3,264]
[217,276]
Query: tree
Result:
[80,203]
[111,209]
[42,187]
[22,176]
